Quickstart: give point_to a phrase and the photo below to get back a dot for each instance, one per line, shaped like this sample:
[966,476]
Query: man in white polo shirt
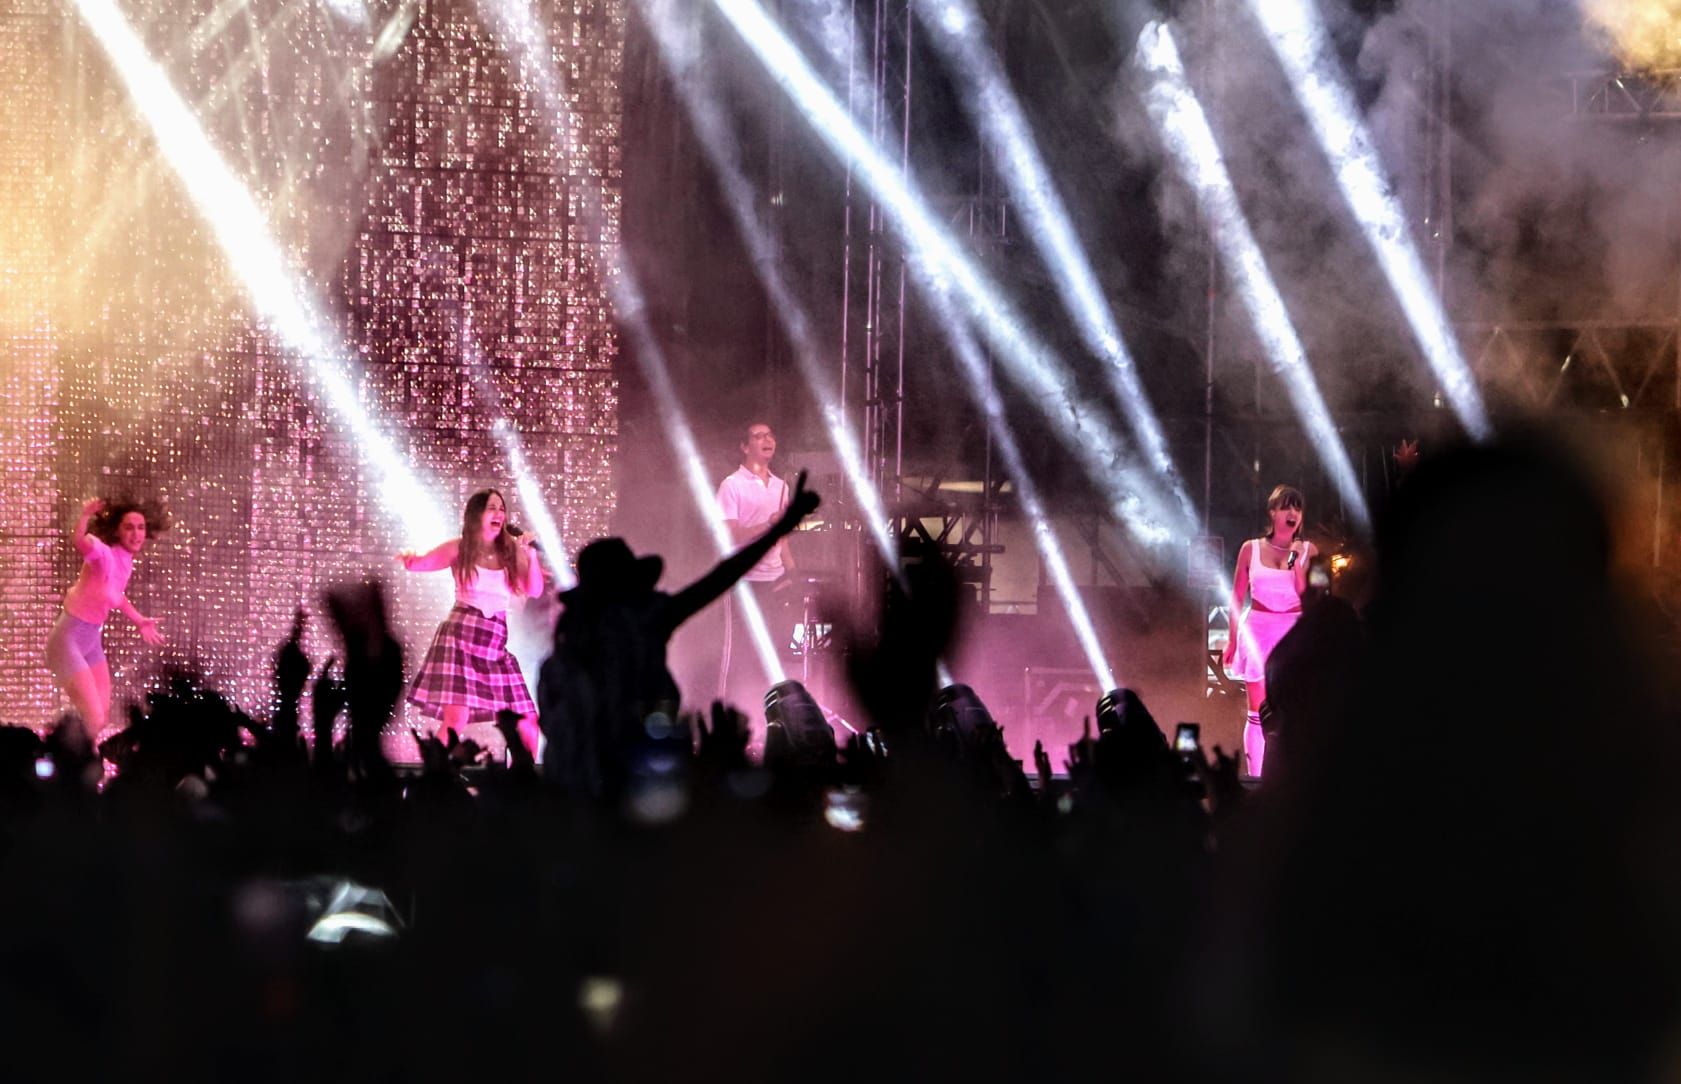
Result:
[750,500]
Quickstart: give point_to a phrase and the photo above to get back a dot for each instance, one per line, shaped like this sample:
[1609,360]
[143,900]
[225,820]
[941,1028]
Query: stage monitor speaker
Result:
[796,732]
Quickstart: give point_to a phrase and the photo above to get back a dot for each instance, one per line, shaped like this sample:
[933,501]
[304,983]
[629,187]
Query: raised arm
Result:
[86,544]
[440,556]
[695,597]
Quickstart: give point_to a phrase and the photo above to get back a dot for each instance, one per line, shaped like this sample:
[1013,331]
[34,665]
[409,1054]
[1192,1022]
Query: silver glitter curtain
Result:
[428,205]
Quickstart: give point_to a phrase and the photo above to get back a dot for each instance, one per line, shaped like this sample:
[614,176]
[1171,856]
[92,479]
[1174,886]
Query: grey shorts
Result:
[73,646]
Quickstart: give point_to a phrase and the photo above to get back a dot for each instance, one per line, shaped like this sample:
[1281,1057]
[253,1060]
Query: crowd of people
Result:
[1458,864]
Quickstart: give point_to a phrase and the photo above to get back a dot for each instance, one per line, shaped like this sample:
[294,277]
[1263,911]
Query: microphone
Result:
[1290,561]
[515,531]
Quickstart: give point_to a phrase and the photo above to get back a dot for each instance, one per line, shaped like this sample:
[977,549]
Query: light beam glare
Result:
[629,306]
[525,482]
[1133,495]
[984,392]
[522,37]
[137,181]
[260,265]
[531,496]
[1298,38]
[702,100]
[985,92]
[700,97]
[1185,131]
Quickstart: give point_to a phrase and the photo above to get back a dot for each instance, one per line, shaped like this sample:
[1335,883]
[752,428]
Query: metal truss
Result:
[1625,95]
[1602,364]
[961,530]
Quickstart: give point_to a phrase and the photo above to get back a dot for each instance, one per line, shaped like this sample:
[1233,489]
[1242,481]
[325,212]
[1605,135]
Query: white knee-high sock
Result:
[1254,744]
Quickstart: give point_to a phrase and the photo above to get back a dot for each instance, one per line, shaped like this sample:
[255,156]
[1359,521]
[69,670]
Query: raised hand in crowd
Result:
[291,675]
[1042,766]
[1406,456]
[327,702]
[721,745]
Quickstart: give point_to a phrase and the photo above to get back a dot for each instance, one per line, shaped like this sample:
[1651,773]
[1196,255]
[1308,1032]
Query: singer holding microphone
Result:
[468,675]
[1271,576]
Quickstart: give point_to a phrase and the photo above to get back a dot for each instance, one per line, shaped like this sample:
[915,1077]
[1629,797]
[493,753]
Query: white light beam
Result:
[1185,131]
[1134,497]
[1297,36]
[262,268]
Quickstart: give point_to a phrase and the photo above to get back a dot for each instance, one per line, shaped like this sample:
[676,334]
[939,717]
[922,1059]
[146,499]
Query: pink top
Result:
[100,585]
[486,591]
[1271,588]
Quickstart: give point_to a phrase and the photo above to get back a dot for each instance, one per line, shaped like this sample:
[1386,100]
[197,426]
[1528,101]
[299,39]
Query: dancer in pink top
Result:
[468,675]
[1271,576]
[108,535]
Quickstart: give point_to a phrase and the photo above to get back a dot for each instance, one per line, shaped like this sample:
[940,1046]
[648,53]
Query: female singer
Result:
[468,675]
[108,535]
[1272,575]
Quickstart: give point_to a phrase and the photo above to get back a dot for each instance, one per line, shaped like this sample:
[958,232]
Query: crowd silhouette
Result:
[1459,867]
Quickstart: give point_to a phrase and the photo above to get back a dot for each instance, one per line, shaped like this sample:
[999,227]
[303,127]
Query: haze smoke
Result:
[1552,217]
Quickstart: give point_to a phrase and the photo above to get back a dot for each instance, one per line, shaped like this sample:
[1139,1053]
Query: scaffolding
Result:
[1624,96]
[876,309]
[874,282]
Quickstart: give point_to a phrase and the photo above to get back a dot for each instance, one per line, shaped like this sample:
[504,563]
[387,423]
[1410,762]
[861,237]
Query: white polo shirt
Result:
[755,502]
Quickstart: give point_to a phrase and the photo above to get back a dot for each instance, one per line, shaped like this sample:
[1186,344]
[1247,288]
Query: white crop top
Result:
[486,591]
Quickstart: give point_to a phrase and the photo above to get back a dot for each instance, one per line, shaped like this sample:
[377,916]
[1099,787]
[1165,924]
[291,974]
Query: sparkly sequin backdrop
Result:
[427,205]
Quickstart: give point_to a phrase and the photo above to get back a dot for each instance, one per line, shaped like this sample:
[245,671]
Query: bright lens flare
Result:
[1298,38]
[262,268]
[1186,133]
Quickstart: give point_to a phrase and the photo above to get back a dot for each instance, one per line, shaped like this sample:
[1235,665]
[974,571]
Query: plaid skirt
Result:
[468,665]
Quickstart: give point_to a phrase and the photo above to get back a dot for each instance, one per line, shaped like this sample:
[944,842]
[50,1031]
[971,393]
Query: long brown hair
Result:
[104,524]
[473,544]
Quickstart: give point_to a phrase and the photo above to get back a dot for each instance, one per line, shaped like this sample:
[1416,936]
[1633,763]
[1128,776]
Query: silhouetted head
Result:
[608,566]
[1480,521]
[1472,876]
